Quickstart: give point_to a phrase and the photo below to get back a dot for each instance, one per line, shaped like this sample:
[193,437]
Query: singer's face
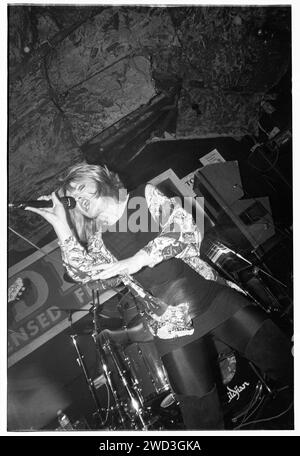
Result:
[91,205]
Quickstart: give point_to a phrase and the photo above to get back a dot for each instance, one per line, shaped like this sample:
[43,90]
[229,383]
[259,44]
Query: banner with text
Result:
[37,311]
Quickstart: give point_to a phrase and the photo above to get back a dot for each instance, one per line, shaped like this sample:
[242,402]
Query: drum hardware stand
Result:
[257,271]
[135,401]
[82,365]
[271,392]
[245,414]
[275,306]
[246,292]
[263,391]
[102,356]
[88,379]
[136,382]
[107,375]
[134,398]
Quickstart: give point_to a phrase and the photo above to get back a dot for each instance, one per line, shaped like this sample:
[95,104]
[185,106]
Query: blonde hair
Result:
[107,183]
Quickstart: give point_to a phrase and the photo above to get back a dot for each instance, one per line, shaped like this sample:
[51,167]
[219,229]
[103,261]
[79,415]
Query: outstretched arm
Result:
[85,265]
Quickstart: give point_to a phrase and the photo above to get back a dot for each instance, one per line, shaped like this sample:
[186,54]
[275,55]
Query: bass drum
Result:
[239,387]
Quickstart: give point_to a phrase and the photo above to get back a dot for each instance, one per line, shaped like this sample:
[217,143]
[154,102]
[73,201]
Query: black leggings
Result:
[191,368]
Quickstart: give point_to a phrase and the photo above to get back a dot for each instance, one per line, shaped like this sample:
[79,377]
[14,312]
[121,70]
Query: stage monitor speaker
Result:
[220,185]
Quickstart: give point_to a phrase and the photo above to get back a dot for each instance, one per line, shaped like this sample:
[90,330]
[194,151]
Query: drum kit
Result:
[139,394]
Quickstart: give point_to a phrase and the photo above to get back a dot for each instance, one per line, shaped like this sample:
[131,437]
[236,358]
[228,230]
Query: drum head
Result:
[168,400]
[157,400]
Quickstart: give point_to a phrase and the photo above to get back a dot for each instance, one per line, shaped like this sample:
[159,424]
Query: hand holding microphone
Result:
[67,201]
[52,209]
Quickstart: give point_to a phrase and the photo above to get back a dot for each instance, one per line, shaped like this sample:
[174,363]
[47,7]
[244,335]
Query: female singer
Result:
[144,236]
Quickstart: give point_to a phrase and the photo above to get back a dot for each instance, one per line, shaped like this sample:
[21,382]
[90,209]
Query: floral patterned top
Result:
[83,263]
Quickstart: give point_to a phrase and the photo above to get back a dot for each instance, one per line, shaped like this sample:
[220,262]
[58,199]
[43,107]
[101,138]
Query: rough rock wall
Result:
[90,80]
[77,71]
[94,77]
[231,57]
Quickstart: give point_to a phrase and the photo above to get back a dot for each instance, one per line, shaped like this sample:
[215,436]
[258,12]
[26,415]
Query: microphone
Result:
[67,201]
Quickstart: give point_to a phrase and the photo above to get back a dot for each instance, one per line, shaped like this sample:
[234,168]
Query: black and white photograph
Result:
[150,248]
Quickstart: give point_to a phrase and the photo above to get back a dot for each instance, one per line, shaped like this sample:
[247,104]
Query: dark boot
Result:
[201,413]
[270,350]
[192,378]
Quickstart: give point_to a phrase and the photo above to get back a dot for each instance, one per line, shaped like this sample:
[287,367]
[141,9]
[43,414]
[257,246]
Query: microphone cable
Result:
[33,245]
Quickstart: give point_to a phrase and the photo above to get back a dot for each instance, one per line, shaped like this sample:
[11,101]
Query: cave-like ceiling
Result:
[99,82]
